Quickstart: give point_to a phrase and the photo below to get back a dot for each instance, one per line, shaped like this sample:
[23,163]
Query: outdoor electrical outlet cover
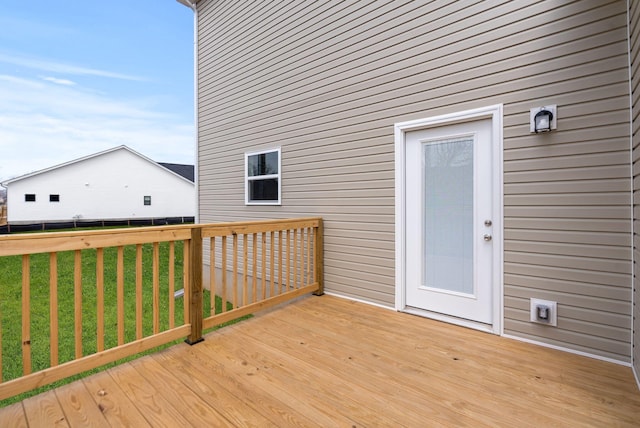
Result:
[539,306]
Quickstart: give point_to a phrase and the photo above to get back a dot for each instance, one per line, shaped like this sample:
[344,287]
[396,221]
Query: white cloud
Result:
[59,81]
[43,124]
[62,68]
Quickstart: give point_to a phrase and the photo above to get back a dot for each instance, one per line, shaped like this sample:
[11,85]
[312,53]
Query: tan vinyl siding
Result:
[634,45]
[326,81]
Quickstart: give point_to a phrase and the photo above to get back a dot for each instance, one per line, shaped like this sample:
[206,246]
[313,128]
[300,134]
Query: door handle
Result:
[487,237]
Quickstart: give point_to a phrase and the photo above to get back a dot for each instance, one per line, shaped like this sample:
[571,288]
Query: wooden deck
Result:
[325,361]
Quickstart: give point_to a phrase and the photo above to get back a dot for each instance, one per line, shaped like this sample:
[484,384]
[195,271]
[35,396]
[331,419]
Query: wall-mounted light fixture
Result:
[543,119]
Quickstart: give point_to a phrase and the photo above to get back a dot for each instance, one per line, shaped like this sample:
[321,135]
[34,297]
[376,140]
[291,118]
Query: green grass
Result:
[11,309]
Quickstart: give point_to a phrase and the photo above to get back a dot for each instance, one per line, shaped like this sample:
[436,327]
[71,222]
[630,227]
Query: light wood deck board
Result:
[113,403]
[325,361]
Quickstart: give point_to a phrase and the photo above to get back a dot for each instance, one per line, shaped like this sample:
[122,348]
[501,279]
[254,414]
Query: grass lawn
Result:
[11,307]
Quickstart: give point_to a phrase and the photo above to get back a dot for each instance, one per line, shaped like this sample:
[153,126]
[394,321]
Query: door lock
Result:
[487,237]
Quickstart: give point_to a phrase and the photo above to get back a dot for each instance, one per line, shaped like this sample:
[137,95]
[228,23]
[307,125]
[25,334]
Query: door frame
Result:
[495,113]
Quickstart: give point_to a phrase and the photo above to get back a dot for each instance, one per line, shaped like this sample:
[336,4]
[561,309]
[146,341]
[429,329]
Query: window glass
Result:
[263,190]
[262,177]
[54,198]
[263,164]
[30,197]
[147,200]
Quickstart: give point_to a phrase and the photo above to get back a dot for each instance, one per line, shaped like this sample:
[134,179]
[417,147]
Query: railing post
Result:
[195,287]
[319,258]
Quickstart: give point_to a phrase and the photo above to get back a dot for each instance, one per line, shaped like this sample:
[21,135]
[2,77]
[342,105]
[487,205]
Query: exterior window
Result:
[54,198]
[29,197]
[147,200]
[262,177]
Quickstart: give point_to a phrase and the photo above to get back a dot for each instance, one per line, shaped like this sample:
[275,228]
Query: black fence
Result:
[45,226]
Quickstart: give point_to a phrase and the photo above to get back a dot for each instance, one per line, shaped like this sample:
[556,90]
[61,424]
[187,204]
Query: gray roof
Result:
[187,171]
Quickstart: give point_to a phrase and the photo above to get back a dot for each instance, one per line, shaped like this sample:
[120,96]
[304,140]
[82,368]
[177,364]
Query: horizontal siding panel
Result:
[613,279]
[567,312]
[568,199]
[563,174]
[569,237]
[374,250]
[576,212]
[435,67]
[570,262]
[579,320]
[519,322]
[381,248]
[564,249]
[597,87]
[359,289]
[555,149]
[580,342]
[576,306]
[582,186]
[549,286]
[475,81]
[575,161]
[520,138]
[369,271]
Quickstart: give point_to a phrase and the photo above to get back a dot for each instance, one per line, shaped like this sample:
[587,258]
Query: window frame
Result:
[146,198]
[30,197]
[54,197]
[277,176]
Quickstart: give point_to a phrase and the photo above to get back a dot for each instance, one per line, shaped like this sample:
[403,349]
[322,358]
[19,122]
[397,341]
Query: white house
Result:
[115,184]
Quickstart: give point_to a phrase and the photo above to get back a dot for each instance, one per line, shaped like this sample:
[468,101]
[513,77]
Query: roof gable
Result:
[93,156]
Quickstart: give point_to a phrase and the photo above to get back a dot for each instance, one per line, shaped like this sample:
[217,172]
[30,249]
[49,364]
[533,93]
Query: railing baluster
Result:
[53,309]
[279,262]
[295,259]
[245,267]
[308,270]
[287,284]
[120,293]
[255,268]
[272,263]
[235,270]
[264,265]
[26,315]
[172,283]
[224,273]
[156,287]
[186,278]
[139,291]
[77,293]
[100,299]
[212,275]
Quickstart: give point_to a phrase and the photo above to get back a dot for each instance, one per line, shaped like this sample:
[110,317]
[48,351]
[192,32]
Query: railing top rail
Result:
[33,243]
[230,228]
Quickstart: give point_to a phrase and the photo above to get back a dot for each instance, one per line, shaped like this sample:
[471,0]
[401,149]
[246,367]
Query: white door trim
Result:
[493,112]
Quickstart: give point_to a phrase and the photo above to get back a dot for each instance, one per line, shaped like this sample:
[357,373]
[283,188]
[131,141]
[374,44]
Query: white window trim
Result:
[278,176]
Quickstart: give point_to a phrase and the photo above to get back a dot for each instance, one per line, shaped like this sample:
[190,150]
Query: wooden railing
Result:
[121,286]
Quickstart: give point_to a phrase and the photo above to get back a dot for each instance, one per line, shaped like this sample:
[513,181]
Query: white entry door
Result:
[449,220]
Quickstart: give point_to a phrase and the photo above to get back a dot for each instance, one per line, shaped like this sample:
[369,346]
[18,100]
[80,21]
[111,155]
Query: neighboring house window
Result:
[54,198]
[147,200]
[262,177]
[29,197]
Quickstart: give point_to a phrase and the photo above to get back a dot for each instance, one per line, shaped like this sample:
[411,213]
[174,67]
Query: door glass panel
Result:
[448,215]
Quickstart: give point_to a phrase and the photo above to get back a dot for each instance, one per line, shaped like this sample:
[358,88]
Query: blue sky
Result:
[77,78]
